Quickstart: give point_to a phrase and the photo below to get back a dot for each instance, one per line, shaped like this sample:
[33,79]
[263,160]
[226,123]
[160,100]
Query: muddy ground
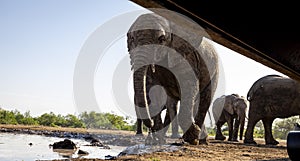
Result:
[215,150]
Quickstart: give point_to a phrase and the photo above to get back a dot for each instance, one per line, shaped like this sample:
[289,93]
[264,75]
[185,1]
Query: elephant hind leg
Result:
[249,131]
[269,139]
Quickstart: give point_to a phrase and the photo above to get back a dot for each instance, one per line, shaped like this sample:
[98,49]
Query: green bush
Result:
[84,120]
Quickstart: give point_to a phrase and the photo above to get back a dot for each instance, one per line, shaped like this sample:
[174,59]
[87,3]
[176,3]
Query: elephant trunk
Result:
[140,58]
[140,65]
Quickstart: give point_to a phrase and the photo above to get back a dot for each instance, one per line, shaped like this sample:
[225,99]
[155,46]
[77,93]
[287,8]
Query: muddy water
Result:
[16,147]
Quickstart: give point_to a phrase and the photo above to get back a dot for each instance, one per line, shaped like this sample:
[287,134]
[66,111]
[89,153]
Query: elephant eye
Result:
[161,39]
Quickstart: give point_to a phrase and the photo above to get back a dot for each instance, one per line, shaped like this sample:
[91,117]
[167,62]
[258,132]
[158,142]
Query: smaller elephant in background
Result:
[171,107]
[231,109]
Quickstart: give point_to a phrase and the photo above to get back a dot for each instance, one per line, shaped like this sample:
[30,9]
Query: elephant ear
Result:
[229,108]
[174,57]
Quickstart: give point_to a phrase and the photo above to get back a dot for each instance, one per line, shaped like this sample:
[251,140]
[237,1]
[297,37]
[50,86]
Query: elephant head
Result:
[237,107]
[176,59]
[240,108]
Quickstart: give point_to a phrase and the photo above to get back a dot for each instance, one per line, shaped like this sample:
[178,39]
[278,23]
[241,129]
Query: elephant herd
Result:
[172,61]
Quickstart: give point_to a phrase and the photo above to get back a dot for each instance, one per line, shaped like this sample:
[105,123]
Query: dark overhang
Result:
[268,34]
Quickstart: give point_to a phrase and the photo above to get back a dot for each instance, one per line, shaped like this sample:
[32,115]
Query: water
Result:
[15,147]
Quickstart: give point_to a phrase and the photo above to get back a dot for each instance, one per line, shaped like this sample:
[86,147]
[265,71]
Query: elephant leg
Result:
[156,137]
[189,90]
[175,128]
[230,128]
[187,123]
[167,121]
[268,131]
[204,103]
[219,135]
[139,127]
[171,117]
[235,130]
[249,131]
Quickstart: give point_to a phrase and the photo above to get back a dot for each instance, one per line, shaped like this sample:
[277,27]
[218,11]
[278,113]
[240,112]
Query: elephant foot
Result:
[192,134]
[249,142]
[234,140]
[174,136]
[274,142]
[203,142]
[220,137]
[139,134]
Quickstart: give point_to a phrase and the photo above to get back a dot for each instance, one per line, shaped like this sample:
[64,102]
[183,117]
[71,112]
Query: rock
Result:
[110,157]
[82,152]
[66,144]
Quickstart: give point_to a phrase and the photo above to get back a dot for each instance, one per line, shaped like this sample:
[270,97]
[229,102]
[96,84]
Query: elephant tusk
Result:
[145,96]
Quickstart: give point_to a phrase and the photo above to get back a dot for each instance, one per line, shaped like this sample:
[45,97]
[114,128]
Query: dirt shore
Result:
[215,150]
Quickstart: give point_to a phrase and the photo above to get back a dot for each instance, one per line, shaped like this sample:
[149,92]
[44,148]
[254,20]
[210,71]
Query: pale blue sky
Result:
[40,42]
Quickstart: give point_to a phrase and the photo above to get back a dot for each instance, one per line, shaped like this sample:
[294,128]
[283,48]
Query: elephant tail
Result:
[249,94]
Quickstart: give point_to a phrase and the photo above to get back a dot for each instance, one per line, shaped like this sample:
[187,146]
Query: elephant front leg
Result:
[230,128]
[187,124]
[219,135]
[199,119]
[235,130]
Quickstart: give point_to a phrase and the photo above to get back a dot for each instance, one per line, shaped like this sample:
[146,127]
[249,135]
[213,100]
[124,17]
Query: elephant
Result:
[231,109]
[271,97]
[172,53]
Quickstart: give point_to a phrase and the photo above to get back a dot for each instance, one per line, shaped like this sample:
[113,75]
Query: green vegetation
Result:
[280,128]
[94,120]
[84,120]
[283,126]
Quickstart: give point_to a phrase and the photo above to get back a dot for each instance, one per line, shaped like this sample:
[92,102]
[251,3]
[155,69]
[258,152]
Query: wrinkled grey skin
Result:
[187,74]
[230,109]
[171,112]
[271,97]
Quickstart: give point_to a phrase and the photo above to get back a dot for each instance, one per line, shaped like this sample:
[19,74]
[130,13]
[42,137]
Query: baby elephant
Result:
[230,109]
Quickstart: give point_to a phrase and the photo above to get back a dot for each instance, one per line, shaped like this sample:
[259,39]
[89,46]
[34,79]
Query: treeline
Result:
[84,120]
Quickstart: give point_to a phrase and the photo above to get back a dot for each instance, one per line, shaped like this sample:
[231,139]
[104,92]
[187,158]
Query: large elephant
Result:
[172,53]
[231,109]
[271,97]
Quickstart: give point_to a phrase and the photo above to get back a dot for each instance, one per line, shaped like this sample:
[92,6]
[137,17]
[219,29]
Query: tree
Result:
[7,117]
[47,119]
[104,120]
[283,126]
[73,121]
[259,130]
[27,119]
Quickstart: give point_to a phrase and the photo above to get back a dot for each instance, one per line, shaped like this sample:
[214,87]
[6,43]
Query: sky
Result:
[42,42]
